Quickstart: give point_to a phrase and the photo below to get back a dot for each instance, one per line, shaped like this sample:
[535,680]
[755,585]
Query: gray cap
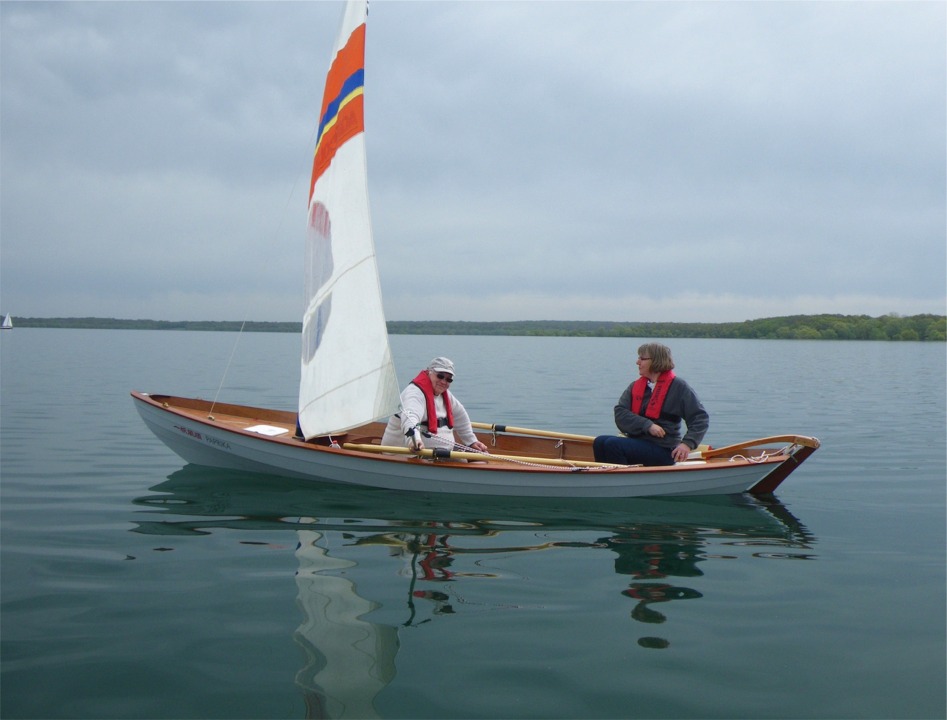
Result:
[441,364]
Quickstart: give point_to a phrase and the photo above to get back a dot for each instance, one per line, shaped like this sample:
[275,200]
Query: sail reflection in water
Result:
[428,556]
[349,659]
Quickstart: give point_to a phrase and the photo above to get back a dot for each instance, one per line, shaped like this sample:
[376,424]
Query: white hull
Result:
[223,443]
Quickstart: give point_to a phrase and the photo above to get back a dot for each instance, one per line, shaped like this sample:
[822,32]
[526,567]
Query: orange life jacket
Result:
[424,382]
[638,387]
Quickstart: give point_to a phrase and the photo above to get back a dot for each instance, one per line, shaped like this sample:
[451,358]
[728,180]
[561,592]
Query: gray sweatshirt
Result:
[681,403]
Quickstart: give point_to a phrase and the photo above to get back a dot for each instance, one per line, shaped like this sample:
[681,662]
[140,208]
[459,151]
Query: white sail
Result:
[348,377]
[7,322]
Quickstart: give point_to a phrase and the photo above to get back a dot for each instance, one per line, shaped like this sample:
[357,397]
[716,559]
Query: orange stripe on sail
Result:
[349,122]
[349,59]
[342,116]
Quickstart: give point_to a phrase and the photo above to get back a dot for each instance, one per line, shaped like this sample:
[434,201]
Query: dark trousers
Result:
[622,450]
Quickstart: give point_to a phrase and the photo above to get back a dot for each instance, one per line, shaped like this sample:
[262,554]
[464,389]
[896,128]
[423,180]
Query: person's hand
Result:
[681,453]
[656,430]
[477,445]
[415,442]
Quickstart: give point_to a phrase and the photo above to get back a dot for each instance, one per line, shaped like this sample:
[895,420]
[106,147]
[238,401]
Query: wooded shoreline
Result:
[930,328]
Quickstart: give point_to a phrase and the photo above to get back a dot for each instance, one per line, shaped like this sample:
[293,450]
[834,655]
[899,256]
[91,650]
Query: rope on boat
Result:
[764,455]
[449,445]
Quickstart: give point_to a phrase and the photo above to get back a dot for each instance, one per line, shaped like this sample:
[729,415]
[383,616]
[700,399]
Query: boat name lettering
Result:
[190,433]
[217,441]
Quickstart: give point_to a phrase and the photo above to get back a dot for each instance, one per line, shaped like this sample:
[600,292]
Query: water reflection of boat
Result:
[230,499]
[660,544]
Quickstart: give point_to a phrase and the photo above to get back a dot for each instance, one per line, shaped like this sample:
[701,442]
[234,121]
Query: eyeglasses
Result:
[444,376]
[643,359]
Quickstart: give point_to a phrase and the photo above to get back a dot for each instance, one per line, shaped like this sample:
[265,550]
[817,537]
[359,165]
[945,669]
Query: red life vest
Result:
[423,381]
[658,395]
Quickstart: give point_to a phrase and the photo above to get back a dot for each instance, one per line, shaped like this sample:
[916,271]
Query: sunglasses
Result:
[445,376]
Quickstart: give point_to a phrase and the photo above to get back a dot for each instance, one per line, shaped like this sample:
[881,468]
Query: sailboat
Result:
[7,322]
[348,385]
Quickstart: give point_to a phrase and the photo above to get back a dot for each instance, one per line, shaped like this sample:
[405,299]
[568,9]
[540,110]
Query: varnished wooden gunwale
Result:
[548,446]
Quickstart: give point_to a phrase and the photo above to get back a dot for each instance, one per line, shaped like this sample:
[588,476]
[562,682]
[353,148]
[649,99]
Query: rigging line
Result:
[279,226]
[210,413]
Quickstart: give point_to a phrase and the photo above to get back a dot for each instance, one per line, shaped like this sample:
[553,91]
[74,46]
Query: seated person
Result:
[649,415]
[427,406]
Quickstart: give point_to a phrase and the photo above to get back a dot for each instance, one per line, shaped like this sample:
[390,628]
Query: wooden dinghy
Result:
[522,462]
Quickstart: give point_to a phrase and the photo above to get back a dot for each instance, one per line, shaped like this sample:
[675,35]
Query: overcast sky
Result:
[631,161]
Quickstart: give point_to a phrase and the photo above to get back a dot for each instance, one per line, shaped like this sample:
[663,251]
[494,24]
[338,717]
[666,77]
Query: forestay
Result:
[348,377]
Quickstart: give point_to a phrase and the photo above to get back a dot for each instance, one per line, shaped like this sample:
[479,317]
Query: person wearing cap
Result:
[429,408]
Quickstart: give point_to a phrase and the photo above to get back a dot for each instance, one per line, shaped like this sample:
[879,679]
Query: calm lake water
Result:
[135,586]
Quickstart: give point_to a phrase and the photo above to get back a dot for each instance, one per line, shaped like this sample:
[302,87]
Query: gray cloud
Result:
[528,160]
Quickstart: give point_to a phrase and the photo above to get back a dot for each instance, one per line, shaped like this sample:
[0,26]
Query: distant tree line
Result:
[92,323]
[792,327]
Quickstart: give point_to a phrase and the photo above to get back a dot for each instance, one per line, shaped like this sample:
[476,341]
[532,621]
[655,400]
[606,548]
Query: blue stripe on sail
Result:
[353,84]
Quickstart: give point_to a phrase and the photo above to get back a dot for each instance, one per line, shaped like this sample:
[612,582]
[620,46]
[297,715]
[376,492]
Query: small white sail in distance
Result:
[347,375]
